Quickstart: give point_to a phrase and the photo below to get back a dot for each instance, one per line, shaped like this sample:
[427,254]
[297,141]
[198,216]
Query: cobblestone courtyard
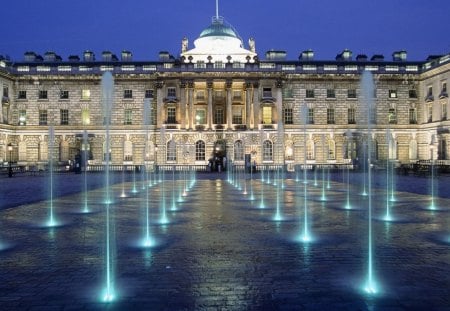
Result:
[221,251]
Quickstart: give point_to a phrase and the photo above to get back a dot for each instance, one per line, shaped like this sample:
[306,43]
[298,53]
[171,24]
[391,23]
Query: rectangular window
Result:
[351,93]
[331,93]
[430,112]
[444,87]
[200,116]
[22,95]
[237,95]
[22,117]
[153,114]
[330,116]
[237,115]
[43,94]
[128,117]
[200,64]
[171,115]
[201,95]
[85,117]
[351,116]
[444,111]
[309,93]
[148,93]
[412,94]
[127,94]
[288,116]
[267,115]
[412,116]
[171,92]
[267,92]
[64,94]
[392,116]
[64,114]
[218,116]
[392,93]
[85,94]
[42,117]
[310,115]
[5,91]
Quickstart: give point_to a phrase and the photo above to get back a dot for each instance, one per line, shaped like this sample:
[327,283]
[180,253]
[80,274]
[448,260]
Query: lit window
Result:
[85,117]
[392,93]
[64,114]
[22,117]
[267,115]
[200,151]
[200,116]
[85,94]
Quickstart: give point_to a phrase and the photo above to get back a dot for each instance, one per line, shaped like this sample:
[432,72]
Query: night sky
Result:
[147,27]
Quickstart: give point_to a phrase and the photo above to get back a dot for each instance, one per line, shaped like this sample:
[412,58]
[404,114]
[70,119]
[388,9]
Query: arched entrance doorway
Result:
[219,160]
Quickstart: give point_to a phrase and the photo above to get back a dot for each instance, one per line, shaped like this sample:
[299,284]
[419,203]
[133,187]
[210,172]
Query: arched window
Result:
[392,149]
[171,151]
[238,151]
[413,149]
[331,150]
[310,152]
[200,150]
[128,151]
[267,150]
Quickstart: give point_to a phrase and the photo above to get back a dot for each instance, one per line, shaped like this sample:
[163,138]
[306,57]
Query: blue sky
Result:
[147,27]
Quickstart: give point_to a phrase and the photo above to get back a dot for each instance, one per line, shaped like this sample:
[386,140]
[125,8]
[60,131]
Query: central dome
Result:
[218,29]
[219,43]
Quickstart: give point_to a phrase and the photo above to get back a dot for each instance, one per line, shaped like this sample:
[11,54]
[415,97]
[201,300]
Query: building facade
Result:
[219,100]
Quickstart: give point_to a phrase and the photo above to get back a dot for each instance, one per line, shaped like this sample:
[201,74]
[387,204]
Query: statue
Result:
[251,44]
[184,45]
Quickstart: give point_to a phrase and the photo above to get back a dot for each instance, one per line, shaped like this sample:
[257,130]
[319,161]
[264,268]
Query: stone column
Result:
[248,104]
[181,113]
[159,103]
[209,85]
[279,104]
[190,117]
[255,104]
[229,105]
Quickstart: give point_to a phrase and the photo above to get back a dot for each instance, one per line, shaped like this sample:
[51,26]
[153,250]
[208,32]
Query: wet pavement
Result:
[220,250]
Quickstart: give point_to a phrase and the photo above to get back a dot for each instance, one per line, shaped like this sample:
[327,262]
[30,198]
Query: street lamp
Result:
[10,148]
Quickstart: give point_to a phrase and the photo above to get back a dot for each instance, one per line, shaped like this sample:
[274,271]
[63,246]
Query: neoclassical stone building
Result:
[219,99]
